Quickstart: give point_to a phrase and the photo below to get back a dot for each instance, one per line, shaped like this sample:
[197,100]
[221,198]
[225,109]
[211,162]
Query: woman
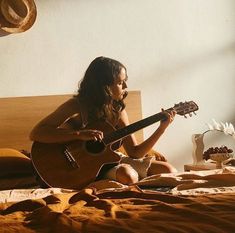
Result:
[100,99]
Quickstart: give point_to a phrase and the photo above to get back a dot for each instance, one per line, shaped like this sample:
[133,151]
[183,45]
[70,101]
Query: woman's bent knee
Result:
[158,167]
[126,174]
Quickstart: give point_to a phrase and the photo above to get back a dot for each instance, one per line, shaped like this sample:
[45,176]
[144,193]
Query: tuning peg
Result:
[190,114]
[185,116]
[195,113]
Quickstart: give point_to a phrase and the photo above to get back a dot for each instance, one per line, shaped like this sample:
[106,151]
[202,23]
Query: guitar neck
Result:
[181,109]
[123,132]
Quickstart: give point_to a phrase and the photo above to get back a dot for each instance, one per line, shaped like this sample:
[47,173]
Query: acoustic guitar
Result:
[75,164]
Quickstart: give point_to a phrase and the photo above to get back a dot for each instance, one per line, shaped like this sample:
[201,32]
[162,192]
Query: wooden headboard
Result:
[19,115]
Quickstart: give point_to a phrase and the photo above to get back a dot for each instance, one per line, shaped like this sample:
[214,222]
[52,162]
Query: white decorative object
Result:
[226,128]
[198,148]
[198,144]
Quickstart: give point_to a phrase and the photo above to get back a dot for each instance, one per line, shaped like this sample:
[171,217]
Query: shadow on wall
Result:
[197,61]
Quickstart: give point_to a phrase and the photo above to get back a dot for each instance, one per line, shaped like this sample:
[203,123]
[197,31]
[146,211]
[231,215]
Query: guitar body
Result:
[73,165]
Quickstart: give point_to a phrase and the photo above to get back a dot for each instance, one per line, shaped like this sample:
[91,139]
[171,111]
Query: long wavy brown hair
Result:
[93,91]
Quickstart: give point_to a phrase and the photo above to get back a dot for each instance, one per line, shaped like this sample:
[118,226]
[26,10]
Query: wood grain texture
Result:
[19,115]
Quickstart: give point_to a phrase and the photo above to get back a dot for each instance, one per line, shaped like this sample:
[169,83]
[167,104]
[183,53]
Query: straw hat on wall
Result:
[17,15]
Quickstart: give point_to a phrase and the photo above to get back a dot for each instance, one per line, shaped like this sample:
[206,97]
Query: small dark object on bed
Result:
[163,189]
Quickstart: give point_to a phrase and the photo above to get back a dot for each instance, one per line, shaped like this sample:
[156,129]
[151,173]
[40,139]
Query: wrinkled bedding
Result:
[196,202]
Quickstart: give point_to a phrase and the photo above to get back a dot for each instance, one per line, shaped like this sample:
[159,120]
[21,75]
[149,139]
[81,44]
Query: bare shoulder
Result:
[71,105]
[62,113]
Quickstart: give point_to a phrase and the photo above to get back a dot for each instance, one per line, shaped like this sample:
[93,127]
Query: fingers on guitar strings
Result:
[170,114]
[98,135]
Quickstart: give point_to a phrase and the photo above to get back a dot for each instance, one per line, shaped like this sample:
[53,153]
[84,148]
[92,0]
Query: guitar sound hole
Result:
[94,147]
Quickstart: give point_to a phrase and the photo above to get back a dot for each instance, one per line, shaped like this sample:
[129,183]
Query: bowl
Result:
[219,158]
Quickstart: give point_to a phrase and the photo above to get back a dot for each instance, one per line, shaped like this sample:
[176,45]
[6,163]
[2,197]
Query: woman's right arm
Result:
[54,128]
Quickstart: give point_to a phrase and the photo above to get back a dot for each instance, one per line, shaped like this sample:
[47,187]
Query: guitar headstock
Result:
[187,107]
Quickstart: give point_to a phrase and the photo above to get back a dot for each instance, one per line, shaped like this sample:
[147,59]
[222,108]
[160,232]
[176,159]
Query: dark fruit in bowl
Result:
[216,150]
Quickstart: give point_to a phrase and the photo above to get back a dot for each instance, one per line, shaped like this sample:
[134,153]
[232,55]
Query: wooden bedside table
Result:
[199,167]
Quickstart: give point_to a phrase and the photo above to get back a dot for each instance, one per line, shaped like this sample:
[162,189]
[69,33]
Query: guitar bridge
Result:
[70,158]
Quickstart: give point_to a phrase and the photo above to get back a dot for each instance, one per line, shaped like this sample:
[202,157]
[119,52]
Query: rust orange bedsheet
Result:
[122,211]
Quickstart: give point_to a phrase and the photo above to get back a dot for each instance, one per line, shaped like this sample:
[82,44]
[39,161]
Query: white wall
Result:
[175,50]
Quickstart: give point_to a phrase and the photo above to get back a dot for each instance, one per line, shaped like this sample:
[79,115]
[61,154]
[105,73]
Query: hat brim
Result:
[24,26]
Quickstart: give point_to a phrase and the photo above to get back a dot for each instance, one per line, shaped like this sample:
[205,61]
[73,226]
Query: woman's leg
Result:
[158,167]
[126,174]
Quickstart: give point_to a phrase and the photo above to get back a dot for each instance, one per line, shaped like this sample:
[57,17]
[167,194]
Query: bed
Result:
[180,202]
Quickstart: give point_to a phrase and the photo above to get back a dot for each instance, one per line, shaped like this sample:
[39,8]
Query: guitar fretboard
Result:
[123,132]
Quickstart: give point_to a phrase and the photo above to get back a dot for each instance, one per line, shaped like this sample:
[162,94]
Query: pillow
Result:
[18,182]
[13,162]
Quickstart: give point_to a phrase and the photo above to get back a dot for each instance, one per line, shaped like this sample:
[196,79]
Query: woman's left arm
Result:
[130,143]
